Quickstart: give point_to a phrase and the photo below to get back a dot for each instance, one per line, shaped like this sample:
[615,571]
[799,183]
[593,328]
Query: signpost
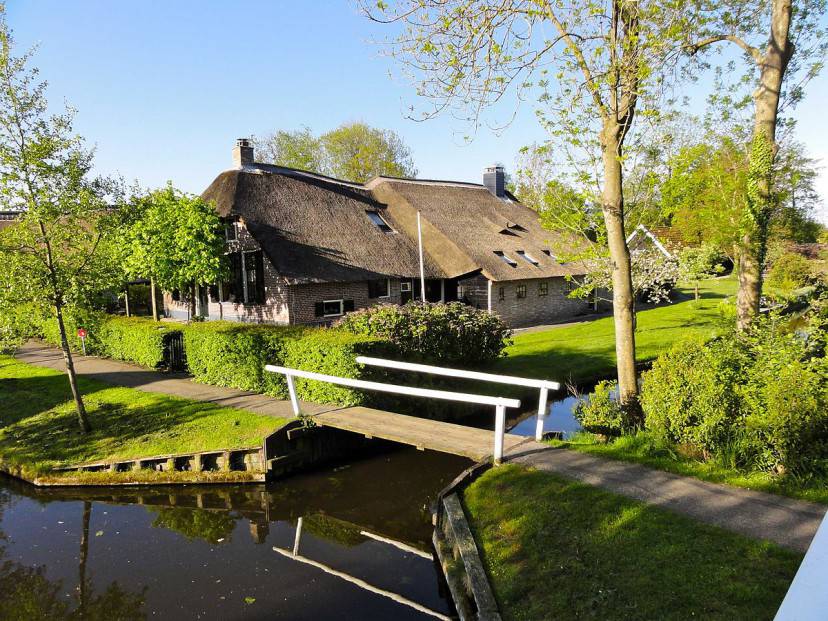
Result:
[82,335]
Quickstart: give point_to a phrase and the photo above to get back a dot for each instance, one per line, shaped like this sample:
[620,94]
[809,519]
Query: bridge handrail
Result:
[544,385]
[500,403]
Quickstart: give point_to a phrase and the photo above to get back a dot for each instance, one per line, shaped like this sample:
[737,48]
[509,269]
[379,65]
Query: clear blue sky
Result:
[163,88]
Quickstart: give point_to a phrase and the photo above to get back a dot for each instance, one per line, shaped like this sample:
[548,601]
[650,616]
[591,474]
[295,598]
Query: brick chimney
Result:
[242,153]
[494,178]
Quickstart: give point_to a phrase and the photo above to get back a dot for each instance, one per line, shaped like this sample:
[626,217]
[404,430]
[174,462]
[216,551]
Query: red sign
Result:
[82,333]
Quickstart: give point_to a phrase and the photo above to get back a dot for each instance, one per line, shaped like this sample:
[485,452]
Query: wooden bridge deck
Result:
[420,432]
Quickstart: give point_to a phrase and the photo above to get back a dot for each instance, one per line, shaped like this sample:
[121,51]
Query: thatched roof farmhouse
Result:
[305,248]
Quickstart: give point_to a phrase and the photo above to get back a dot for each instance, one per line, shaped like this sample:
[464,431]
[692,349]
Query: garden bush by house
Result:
[600,413]
[789,272]
[446,334]
[74,318]
[134,339]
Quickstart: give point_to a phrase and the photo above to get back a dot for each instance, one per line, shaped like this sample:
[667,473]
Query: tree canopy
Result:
[354,152]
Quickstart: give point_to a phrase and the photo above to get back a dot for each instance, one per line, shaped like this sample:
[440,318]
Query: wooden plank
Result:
[419,432]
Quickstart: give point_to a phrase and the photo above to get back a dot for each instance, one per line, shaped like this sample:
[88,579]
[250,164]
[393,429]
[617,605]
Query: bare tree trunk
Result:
[152,297]
[772,66]
[623,301]
[126,299]
[192,301]
[83,420]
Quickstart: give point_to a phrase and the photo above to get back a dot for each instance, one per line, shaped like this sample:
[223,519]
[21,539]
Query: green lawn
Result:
[586,351]
[644,448]
[39,429]
[559,549]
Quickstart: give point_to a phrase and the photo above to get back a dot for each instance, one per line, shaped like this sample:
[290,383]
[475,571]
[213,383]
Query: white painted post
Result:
[294,402]
[500,430]
[298,537]
[422,267]
[489,296]
[544,393]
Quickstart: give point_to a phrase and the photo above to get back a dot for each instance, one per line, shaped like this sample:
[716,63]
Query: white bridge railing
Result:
[500,403]
[544,386]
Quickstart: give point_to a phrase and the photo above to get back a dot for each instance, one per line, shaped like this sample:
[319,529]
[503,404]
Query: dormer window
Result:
[506,258]
[549,254]
[379,222]
[527,257]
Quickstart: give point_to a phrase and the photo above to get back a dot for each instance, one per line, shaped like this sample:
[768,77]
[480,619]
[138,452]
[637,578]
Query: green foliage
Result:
[600,412]
[74,318]
[789,272]
[757,400]
[354,151]
[137,340]
[452,333]
[18,323]
[332,352]
[231,354]
[699,262]
[175,238]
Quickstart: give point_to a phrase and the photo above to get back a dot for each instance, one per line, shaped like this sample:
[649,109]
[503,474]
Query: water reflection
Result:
[559,419]
[349,542]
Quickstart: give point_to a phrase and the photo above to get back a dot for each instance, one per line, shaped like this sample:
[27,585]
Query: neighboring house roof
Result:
[313,228]
[465,226]
[672,237]
[639,237]
[7,218]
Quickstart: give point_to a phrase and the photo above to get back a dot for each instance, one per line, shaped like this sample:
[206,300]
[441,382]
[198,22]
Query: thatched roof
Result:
[315,229]
[7,218]
[466,227]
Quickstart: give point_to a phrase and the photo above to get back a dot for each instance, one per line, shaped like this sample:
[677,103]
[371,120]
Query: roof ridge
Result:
[465,184]
[295,172]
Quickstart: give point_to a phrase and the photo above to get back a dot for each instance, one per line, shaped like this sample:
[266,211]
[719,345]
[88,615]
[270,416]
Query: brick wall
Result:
[303,299]
[535,309]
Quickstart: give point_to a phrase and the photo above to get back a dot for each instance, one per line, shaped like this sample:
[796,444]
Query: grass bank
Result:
[559,549]
[39,429]
[586,351]
[646,449]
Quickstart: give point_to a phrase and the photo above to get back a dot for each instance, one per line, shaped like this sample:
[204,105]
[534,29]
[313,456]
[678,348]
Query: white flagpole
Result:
[422,268]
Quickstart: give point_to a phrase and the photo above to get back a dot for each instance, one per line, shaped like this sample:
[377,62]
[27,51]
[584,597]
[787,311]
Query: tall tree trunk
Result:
[772,66]
[623,301]
[126,299]
[70,371]
[152,297]
[192,301]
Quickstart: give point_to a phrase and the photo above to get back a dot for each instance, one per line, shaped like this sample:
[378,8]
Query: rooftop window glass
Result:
[378,220]
[527,257]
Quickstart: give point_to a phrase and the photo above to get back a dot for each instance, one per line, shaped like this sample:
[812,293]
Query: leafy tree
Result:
[699,262]
[789,272]
[175,239]
[59,253]
[354,151]
[772,63]
[592,67]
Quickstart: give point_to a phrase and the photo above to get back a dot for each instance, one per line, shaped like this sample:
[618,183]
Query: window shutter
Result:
[319,309]
[348,306]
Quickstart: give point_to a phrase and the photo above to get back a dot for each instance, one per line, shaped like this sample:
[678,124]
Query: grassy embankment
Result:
[39,429]
[586,351]
[558,549]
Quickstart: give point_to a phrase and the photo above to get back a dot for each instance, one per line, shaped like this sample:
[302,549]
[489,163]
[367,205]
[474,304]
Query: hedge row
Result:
[234,355]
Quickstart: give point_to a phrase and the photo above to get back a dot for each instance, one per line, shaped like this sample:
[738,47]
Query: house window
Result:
[506,258]
[543,288]
[378,221]
[520,290]
[379,288]
[549,254]
[333,308]
[254,273]
[527,257]
[501,293]
[570,285]
[405,286]
[230,233]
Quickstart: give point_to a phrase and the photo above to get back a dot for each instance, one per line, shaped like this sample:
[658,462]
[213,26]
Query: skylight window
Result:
[379,222]
[506,258]
[527,257]
[549,254]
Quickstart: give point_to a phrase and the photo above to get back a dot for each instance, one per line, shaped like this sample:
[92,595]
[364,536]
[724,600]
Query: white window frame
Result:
[505,258]
[405,286]
[387,289]
[341,308]
[527,257]
[370,212]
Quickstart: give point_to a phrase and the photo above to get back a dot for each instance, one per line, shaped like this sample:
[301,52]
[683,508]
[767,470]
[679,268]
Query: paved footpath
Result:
[176,384]
[790,523]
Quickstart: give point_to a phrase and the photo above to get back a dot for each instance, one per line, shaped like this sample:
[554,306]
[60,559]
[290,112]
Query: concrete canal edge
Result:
[457,552]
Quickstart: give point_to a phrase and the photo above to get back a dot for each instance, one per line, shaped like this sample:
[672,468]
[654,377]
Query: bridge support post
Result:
[294,402]
[544,395]
[500,430]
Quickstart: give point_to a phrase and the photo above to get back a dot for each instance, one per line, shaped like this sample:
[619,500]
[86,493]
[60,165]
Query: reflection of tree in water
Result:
[26,593]
[196,523]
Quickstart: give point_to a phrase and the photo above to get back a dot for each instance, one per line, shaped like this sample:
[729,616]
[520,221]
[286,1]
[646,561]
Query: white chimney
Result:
[242,153]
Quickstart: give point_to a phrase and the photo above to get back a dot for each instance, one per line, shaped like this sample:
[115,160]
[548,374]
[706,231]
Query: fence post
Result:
[544,393]
[294,402]
[500,429]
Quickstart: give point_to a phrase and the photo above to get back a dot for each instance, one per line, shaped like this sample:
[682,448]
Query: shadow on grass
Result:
[550,544]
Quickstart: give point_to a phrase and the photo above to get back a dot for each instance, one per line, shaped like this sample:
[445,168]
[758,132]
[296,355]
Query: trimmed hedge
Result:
[137,340]
[74,318]
[225,353]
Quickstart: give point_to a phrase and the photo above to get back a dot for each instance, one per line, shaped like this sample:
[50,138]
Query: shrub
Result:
[690,394]
[136,339]
[332,352]
[791,271]
[601,413]
[698,263]
[74,318]
[17,325]
[453,333]
[230,354]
